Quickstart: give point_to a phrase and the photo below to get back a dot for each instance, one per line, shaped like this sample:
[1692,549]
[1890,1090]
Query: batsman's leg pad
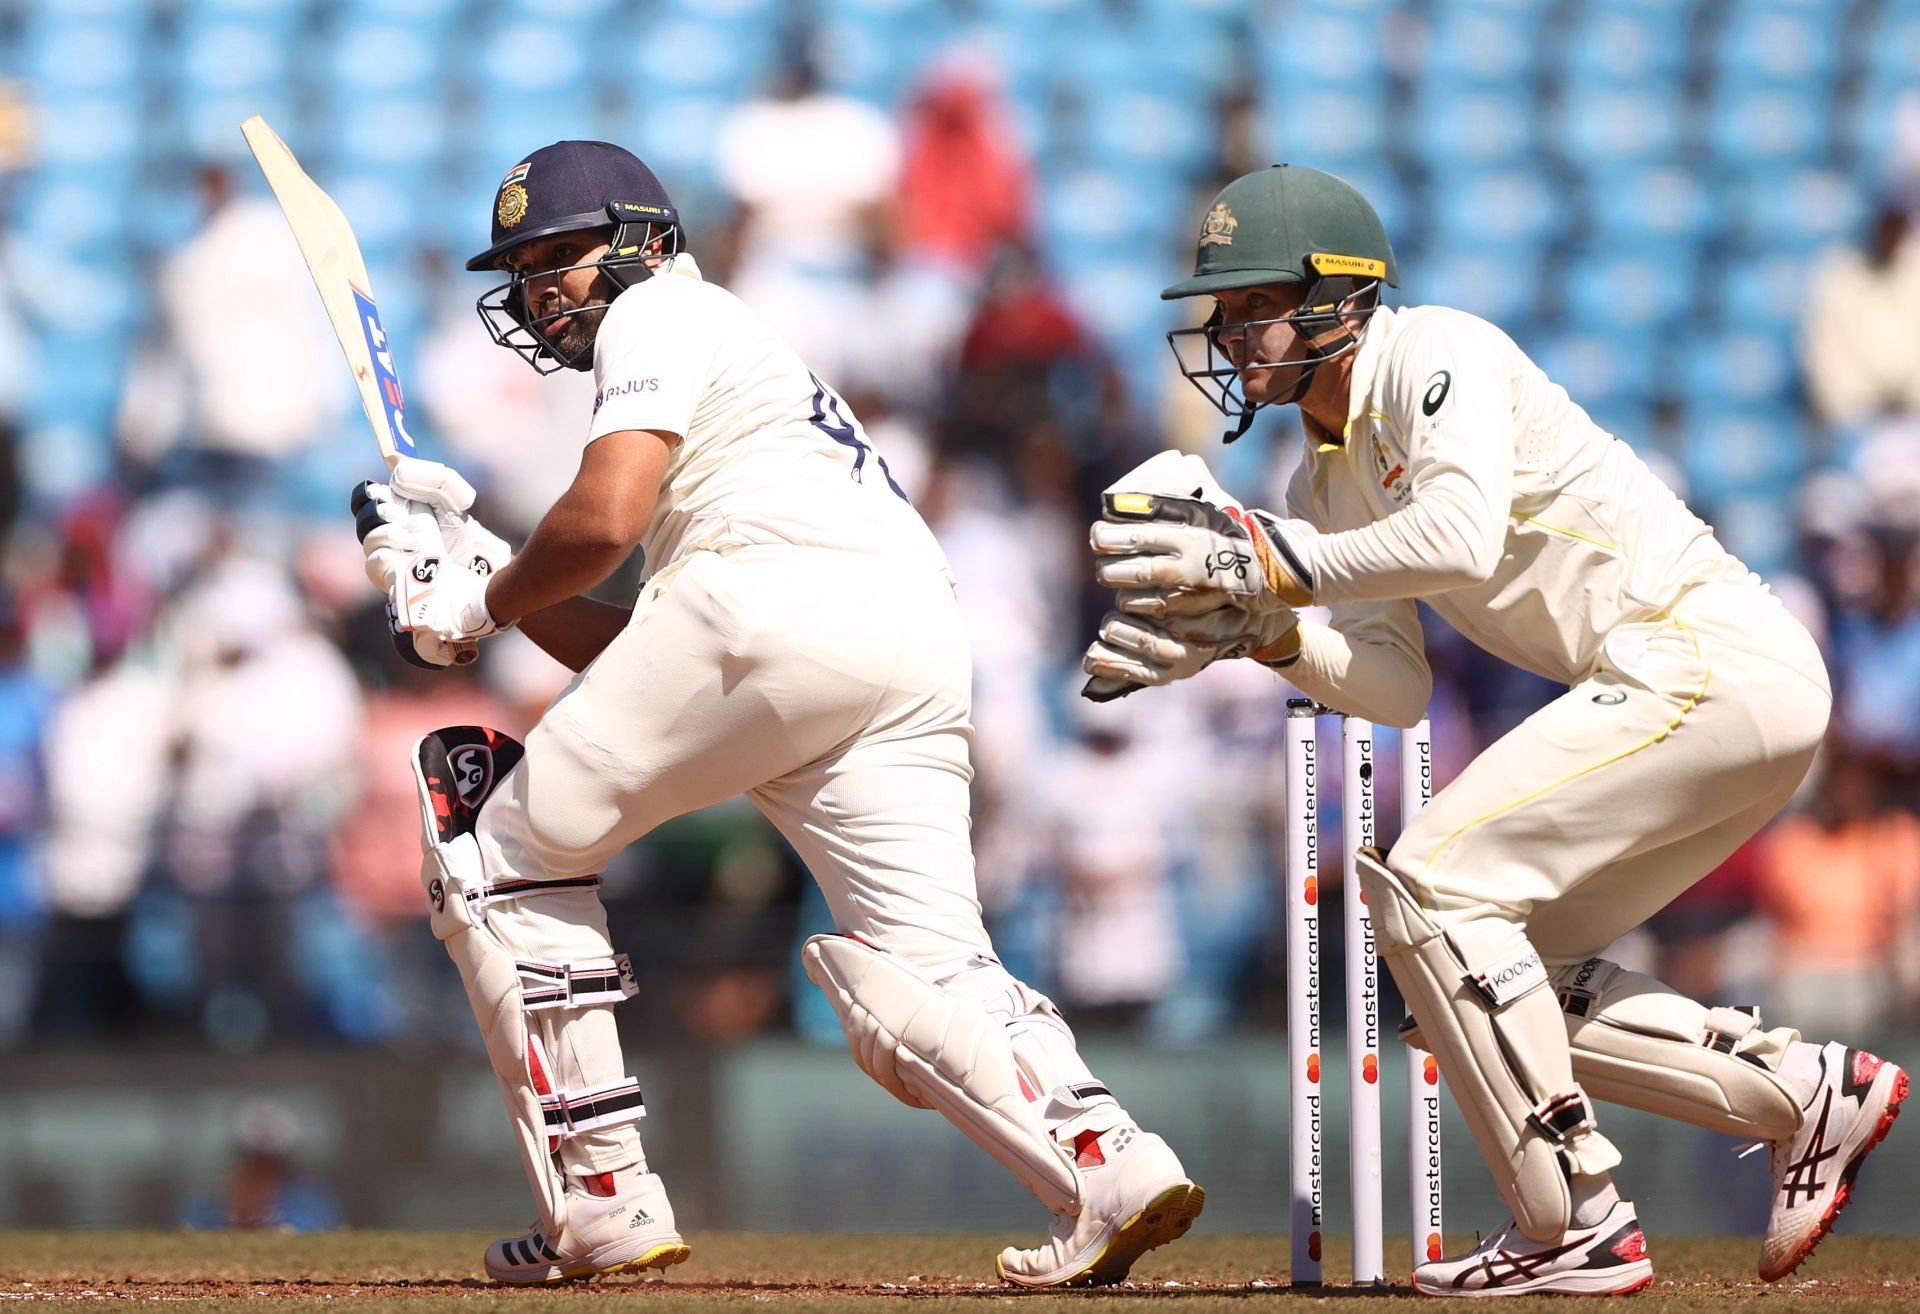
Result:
[950,1050]
[537,1014]
[1479,990]
[1638,1042]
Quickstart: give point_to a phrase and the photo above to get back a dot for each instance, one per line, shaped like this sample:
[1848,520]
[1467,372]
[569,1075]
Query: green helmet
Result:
[1283,224]
[1287,224]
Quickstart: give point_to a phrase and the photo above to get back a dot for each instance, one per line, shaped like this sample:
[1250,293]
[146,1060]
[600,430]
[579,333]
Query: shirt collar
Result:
[1366,360]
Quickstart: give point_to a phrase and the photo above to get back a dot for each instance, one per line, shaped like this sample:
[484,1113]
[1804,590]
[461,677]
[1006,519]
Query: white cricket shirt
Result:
[1469,480]
[767,454]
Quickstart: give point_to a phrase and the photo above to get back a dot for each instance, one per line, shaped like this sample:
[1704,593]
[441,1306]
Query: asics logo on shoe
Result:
[641,1218]
[1802,1175]
[1632,1246]
[1516,1268]
[1861,1072]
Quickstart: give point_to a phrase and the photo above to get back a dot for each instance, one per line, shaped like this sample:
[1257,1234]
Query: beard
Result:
[574,341]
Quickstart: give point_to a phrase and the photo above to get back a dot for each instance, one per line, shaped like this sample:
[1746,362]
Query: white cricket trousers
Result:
[1602,807]
[832,688]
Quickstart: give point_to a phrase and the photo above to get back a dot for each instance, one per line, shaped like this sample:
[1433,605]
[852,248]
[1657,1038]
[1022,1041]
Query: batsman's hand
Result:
[432,595]
[1133,652]
[422,511]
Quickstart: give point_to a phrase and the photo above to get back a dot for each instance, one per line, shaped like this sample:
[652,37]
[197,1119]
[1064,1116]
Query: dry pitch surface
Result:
[402,1271]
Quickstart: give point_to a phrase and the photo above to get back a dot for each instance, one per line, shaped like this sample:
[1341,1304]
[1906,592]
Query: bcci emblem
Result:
[1218,229]
[513,205]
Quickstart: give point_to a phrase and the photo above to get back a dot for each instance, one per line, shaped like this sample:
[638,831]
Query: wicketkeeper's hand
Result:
[1132,652]
[1183,556]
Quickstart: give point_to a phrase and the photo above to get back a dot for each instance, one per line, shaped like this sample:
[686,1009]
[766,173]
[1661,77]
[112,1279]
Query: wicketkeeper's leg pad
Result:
[539,974]
[1638,1042]
[944,1041]
[1480,992]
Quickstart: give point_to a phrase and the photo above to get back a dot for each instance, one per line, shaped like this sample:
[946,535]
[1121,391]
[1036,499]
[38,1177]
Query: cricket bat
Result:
[340,272]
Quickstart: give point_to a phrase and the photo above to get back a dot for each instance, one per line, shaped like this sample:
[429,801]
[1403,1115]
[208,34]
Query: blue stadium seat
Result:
[1329,126]
[1740,367]
[1306,45]
[429,15]
[1499,285]
[1170,133]
[1602,126]
[1484,46]
[104,134]
[1095,207]
[371,58]
[1452,127]
[1630,288]
[1763,290]
[1602,371]
[675,135]
[1499,206]
[707,57]
[1867,128]
[224,58]
[70,54]
[405,133]
[68,212]
[1770,126]
[1625,45]
[383,205]
[1893,50]
[1776,43]
[1660,202]
[1742,451]
[1804,209]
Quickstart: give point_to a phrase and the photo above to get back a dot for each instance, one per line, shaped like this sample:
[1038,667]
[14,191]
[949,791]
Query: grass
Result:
[795,1274]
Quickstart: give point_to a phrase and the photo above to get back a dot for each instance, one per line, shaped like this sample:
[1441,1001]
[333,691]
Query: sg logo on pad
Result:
[472,772]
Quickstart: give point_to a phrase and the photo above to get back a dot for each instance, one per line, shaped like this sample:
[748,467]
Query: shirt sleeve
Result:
[650,364]
[1448,393]
[1368,658]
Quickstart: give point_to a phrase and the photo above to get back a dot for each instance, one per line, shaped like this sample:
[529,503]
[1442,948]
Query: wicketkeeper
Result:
[1443,466]
[797,640]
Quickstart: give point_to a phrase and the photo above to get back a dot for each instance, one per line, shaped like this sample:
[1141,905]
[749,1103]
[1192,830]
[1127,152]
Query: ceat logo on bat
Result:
[385,380]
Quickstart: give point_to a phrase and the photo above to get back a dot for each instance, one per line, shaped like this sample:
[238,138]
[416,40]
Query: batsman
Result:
[798,641]
[1442,466]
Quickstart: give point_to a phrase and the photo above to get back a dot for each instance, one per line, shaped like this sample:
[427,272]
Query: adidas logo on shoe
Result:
[641,1218]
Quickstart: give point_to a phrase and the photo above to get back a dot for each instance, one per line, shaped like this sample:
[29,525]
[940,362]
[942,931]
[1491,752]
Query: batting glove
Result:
[1133,653]
[434,596]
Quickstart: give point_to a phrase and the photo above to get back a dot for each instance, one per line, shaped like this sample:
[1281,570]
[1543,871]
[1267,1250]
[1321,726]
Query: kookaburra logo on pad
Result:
[472,772]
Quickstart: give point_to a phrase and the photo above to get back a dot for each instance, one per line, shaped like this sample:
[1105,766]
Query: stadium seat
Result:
[1336,127]
[1623,45]
[1633,288]
[1483,45]
[1451,127]
[1765,42]
[1763,290]
[688,56]
[1748,127]
[1170,133]
[1307,46]
[375,58]
[1499,206]
[1603,127]
[1658,202]
[1499,284]
[102,134]
[1739,367]
[1603,371]
[1737,452]
[71,54]
[1804,209]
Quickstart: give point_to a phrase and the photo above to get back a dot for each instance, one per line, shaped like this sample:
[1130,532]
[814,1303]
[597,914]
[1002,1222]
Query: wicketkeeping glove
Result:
[1184,556]
[1132,652]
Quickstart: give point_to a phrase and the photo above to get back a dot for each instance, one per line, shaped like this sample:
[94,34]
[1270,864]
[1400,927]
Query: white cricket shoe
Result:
[1851,1111]
[1137,1197]
[1608,1260]
[630,1230]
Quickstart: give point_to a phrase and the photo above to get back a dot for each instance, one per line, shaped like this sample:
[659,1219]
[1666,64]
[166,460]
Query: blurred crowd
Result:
[208,828]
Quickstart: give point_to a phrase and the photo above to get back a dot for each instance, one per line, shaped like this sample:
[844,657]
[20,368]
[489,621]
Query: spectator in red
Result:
[965,186]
